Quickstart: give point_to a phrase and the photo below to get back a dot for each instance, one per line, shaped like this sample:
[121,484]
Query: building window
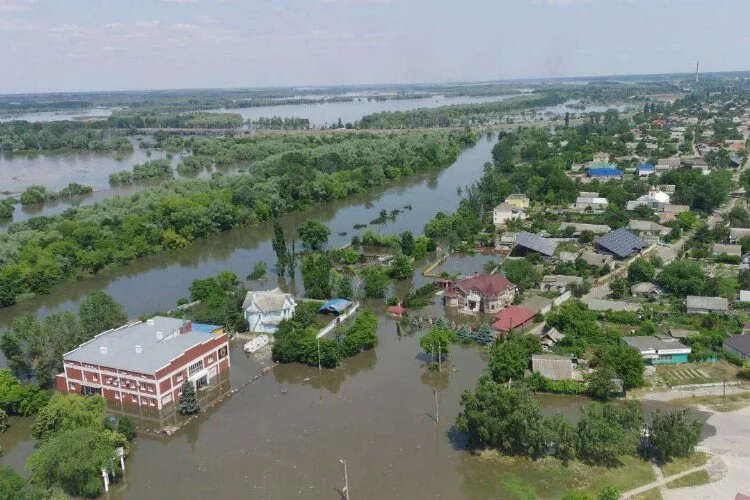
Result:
[223,352]
[195,368]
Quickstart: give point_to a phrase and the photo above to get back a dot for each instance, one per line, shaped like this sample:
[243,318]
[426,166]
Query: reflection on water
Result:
[167,276]
[328,113]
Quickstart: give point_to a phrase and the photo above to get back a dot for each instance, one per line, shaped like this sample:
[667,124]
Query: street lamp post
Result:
[346,479]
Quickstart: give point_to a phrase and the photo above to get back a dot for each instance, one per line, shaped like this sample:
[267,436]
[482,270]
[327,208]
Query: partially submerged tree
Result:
[188,402]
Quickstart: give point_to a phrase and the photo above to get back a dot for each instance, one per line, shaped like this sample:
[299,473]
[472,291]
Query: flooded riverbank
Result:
[167,276]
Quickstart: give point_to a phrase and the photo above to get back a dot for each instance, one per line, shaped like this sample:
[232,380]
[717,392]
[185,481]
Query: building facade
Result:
[145,363]
[486,293]
[265,309]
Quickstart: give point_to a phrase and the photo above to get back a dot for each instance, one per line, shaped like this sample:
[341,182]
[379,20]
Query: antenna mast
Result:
[696,71]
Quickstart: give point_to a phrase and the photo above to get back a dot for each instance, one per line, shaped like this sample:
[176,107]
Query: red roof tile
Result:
[512,317]
[489,285]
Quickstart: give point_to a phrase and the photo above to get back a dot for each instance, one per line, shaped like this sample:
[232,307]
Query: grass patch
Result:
[652,494]
[492,475]
[682,464]
[693,479]
[696,373]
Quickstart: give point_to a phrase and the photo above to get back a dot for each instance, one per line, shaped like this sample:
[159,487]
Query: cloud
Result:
[16,5]
[147,24]
[184,26]
[111,26]
[180,1]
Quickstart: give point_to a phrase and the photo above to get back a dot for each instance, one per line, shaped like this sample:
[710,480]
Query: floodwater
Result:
[51,116]
[167,276]
[282,435]
[328,113]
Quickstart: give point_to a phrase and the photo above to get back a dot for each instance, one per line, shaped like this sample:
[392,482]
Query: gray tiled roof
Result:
[621,242]
[117,348]
[531,241]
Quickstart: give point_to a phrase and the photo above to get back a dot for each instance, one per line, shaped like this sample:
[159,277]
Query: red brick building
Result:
[145,363]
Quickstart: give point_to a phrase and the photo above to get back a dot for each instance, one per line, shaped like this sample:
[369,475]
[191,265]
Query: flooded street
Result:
[281,436]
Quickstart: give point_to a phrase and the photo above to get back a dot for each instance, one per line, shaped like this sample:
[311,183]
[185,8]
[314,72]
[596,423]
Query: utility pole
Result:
[318,339]
[440,358]
[437,407]
[346,479]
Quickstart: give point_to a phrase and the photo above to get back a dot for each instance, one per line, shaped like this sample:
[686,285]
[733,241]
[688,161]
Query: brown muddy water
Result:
[281,436]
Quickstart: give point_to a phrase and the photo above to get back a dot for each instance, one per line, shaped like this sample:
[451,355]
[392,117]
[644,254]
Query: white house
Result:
[265,309]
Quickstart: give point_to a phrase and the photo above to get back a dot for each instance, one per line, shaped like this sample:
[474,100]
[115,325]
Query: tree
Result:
[522,273]
[41,344]
[66,412]
[606,431]
[600,383]
[510,358]
[13,486]
[259,270]
[3,421]
[314,235]
[563,438]
[672,434]
[188,402]
[438,339]
[640,270]
[407,243]
[375,281]
[279,247]
[505,418]
[618,287]
[100,312]
[316,275]
[73,460]
[401,267]
[20,399]
[682,278]
[625,361]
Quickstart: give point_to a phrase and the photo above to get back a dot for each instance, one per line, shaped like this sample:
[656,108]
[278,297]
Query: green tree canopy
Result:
[673,434]
[100,312]
[314,235]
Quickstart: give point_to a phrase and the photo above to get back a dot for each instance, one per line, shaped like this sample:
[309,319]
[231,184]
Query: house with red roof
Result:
[513,318]
[485,293]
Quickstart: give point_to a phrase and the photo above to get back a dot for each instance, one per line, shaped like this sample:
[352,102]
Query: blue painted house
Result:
[659,351]
[605,172]
[645,169]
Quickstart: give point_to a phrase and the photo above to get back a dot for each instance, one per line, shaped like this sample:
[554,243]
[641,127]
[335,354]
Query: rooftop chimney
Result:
[138,349]
[150,321]
[159,335]
[103,349]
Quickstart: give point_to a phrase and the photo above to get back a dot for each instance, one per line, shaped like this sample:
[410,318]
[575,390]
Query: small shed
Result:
[552,366]
[335,306]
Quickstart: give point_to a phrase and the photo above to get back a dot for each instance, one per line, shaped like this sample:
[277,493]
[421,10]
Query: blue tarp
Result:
[204,328]
[335,306]
[604,172]
[645,167]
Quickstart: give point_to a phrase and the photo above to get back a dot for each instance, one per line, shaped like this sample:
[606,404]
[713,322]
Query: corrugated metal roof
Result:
[621,242]
[740,343]
[531,241]
[118,348]
[336,306]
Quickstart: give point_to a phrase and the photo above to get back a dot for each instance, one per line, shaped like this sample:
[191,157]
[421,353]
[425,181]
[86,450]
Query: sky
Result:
[79,45]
